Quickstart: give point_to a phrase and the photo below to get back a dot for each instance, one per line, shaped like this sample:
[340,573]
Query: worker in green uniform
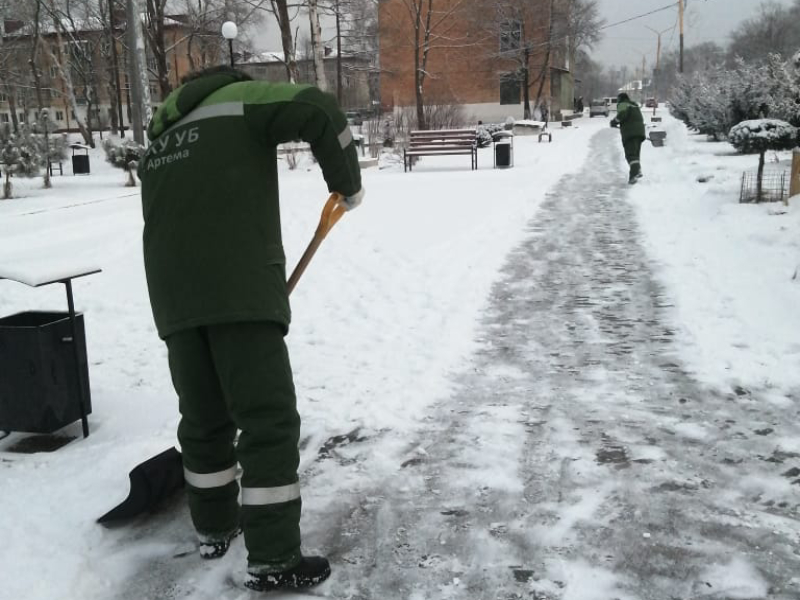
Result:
[631,125]
[216,274]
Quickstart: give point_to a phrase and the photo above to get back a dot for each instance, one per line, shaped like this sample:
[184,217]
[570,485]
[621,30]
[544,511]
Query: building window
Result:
[509,89]
[21,117]
[59,115]
[4,118]
[510,35]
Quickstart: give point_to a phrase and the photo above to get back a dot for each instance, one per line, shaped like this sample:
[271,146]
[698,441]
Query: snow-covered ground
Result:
[733,269]
[384,317]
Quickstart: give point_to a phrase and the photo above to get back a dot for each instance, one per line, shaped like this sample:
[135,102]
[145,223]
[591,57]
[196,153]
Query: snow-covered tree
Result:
[125,156]
[22,155]
[713,102]
[758,137]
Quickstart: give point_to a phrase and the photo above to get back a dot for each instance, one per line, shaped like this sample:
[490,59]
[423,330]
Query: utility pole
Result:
[644,66]
[134,71]
[680,19]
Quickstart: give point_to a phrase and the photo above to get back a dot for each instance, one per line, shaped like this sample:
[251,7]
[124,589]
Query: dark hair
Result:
[218,70]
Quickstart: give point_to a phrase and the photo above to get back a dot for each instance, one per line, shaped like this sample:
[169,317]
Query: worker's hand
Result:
[614,123]
[350,202]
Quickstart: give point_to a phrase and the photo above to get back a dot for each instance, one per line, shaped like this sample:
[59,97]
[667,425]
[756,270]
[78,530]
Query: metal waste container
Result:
[80,162]
[503,149]
[40,385]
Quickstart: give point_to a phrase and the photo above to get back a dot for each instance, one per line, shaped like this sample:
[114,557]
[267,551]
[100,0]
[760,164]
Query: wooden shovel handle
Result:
[331,213]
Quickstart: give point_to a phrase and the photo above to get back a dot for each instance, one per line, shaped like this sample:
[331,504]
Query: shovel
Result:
[331,213]
[156,479]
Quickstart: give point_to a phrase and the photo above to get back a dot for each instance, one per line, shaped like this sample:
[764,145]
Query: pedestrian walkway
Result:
[578,459]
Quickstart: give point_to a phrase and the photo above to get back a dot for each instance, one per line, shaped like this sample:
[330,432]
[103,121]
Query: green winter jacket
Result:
[631,122]
[212,235]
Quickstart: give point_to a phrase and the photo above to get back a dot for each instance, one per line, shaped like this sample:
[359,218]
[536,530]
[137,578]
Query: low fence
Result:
[774,187]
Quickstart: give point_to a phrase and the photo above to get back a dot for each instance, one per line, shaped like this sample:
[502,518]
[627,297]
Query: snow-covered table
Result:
[38,274]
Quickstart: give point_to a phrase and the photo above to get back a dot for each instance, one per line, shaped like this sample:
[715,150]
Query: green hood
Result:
[186,98]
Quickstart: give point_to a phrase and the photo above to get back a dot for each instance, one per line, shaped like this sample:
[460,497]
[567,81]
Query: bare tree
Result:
[281,11]
[582,26]
[154,30]
[433,28]
[772,29]
[317,47]
[61,60]
[33,62]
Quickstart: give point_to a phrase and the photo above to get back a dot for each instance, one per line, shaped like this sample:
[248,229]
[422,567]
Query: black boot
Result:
[635,173]
[310,571]
[217,547]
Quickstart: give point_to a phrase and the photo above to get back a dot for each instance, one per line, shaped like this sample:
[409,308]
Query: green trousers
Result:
[230,377]
[633,151]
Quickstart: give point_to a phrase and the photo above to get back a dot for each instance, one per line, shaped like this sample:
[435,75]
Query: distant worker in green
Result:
[216,275]
[631,125]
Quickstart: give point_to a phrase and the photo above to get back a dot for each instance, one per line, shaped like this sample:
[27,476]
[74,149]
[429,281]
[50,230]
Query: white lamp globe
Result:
[229,30]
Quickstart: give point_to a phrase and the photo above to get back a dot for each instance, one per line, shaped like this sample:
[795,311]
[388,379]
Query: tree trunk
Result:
[7,188]
[189,54]
[543,76]
[338,55]
[285,25]
[155,33]
[421,38]
[117,120]
[11,94]
[37,82]
[317,49]
[66,77]
[759,182]
[526,89]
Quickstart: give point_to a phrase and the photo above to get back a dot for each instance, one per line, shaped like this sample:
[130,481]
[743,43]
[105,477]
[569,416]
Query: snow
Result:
[384,318]
[731,267]
[768,131]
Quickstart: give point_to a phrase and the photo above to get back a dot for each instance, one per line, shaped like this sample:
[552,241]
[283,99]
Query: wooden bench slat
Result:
[435,146]
[436,152]
[441,142]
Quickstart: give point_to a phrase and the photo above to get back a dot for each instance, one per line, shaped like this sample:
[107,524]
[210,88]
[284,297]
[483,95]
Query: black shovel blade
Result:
[152,482]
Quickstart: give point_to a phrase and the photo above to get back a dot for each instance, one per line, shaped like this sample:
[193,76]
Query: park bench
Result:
[441,142]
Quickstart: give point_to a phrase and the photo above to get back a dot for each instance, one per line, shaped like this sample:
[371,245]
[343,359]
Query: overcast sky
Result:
[706,20]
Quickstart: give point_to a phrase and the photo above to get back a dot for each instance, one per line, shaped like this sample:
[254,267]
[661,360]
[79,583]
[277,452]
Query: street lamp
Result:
[657,70]
[229,32]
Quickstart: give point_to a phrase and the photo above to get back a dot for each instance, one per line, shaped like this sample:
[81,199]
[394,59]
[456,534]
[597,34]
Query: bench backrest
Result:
[443,137]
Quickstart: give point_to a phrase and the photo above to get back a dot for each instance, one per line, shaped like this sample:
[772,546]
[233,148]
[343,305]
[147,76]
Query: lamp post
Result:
[657,70]
[229,32]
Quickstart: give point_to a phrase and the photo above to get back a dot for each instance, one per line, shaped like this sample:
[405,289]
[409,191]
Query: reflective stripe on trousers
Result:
[263,496]
[210,480]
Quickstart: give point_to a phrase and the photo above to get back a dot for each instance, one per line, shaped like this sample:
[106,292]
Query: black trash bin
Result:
[502,155]
[80,162]
[40,386]
[503,149]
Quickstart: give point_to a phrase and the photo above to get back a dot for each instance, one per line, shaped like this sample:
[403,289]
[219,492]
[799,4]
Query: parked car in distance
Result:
[612,102]
[599,108]
[651,103]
